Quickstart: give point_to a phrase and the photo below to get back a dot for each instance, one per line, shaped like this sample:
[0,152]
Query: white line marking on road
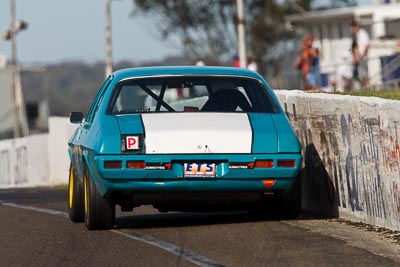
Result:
[172,248]
[48,211]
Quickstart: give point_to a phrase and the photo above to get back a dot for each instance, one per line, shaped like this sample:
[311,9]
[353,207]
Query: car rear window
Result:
[191,94]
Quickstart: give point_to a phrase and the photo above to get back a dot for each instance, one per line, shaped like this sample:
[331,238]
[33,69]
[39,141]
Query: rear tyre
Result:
[287,203]
[75,198]
[99,211]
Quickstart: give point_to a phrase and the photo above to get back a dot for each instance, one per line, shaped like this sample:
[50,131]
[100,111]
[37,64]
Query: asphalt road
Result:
[35,231]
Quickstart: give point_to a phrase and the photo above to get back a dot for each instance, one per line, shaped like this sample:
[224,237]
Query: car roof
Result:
[184,70]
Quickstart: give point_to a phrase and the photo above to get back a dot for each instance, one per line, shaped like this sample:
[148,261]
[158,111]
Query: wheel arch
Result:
[89,163]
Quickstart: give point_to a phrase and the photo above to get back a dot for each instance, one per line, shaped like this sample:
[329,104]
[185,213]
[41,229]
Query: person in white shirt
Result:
[360,49]
[252,65]
[344,73]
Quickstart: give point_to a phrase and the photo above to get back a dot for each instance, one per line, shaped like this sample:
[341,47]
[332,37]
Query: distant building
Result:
[36,96]
[332,29]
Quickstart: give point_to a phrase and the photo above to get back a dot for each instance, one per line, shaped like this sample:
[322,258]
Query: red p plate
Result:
[132,142]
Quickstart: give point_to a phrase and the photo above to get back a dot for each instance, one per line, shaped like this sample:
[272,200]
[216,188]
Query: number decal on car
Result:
[199,170]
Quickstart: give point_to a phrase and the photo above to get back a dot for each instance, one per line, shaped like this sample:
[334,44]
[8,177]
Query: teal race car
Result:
[183,139]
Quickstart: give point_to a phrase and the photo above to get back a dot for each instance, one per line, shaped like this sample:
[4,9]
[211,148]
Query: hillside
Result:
[71,86]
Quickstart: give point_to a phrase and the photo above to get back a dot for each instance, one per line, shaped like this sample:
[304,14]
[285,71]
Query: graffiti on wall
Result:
[21,174]
[396,195]
[5,173]
[13,166]
[390,147]
[348,160]
[390,150]
[363,172]
[320,160]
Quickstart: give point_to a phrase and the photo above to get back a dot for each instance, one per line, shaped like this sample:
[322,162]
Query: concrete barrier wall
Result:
[350,146]
[351,151]
[60,131]
[24,162]
[37,160]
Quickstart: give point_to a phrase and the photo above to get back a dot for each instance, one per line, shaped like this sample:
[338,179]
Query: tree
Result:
[207,29]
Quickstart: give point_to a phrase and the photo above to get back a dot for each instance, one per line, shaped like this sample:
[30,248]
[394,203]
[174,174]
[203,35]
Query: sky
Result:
[74,30]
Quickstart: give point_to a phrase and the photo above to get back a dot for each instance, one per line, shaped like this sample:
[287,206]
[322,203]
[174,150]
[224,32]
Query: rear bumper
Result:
[173,179]
[196,185]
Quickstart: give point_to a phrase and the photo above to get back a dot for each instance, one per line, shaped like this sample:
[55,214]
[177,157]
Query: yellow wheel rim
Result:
[71,187]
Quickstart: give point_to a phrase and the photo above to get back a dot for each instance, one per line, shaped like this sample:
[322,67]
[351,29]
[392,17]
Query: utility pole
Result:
[18,103]
[241,34]
[16,90]
[13,31]
[109,67]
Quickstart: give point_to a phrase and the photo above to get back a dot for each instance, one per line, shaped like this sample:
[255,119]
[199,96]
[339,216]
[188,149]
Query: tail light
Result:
[114,164]
[264,164]
[135,164]
[287,163]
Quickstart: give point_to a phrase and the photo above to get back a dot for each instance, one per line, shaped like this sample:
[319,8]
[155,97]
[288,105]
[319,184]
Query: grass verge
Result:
[385,93]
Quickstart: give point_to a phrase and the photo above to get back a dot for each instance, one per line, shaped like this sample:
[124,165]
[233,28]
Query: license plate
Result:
[199,170]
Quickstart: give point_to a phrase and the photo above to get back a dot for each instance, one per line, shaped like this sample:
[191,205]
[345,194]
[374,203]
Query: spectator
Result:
[359,49]
[236,61]
[315,46]
[308,62]
[252,65]
[200,63]
[344,73]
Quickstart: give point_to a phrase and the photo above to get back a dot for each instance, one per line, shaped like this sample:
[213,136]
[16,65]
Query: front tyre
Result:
[75,198]
[99,211]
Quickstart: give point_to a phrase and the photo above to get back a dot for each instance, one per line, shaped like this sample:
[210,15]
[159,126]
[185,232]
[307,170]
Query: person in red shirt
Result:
[236,61]
[308,62]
